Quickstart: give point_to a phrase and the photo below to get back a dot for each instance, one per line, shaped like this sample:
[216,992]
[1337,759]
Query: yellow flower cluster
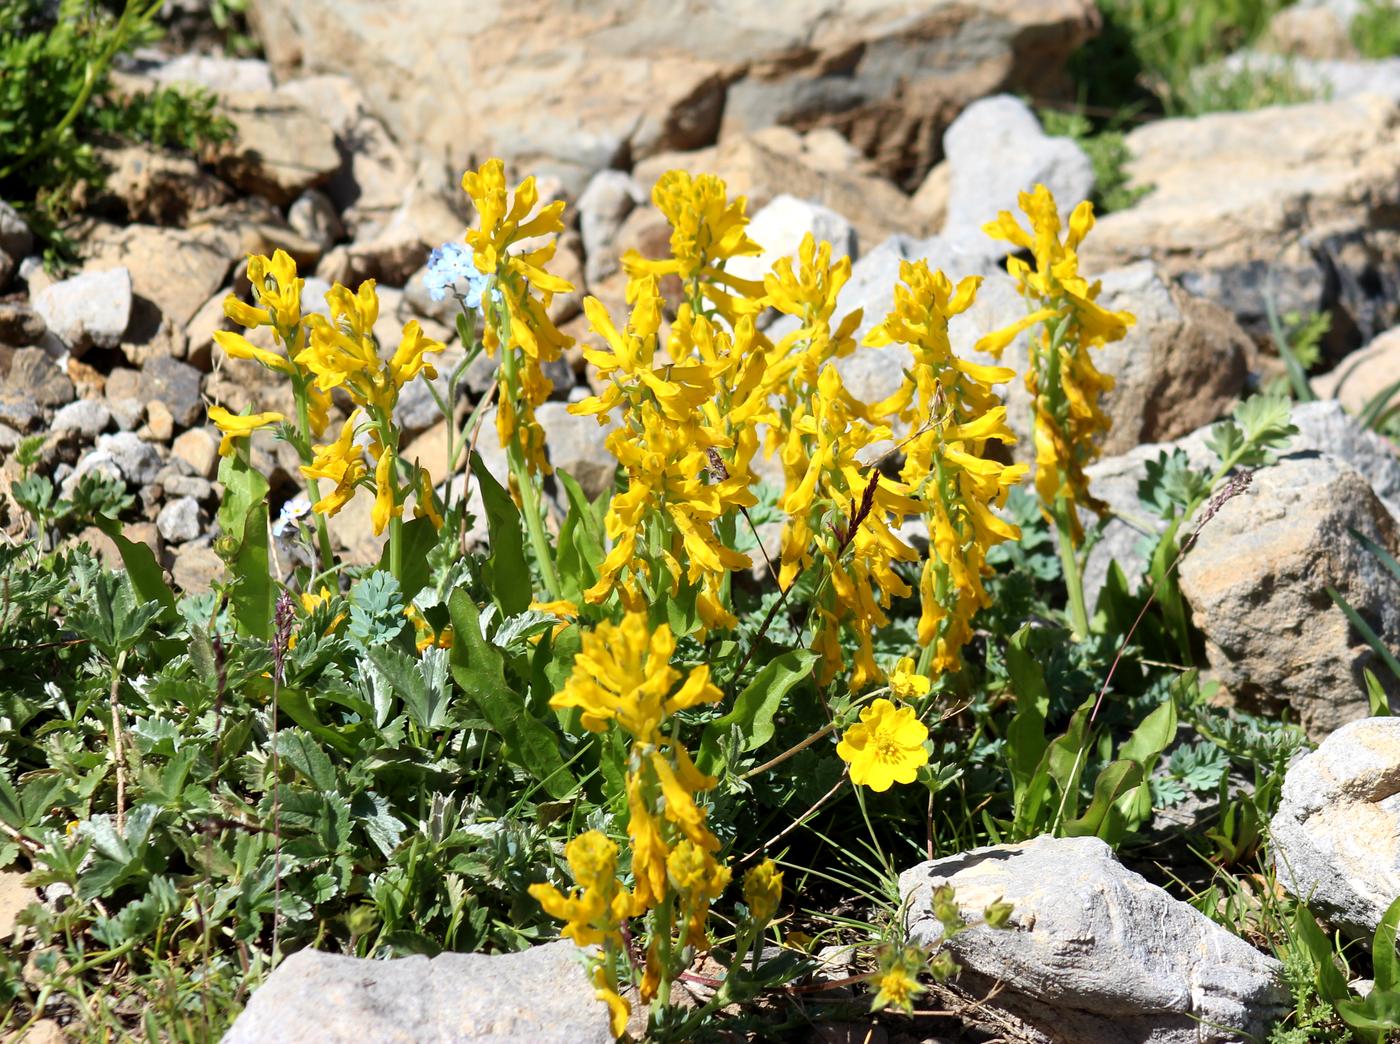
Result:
[513,247]
[323,354]
[623,676]
[1061,377]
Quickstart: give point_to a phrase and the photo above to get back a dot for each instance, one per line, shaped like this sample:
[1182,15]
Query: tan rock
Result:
[254,226]
[176,269]
[14,897]
[1309,32]
[158,186]
[195,569]
[931,197]
[199,332]
[1363,375]
[160,425]
[45,1031]
[279,146]
[199,448]
[1299,203]
[618,80]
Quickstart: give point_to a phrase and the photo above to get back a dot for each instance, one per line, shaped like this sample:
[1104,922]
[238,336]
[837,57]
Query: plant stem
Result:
[118,755]
[525,482]
[313,487]
[1074,579]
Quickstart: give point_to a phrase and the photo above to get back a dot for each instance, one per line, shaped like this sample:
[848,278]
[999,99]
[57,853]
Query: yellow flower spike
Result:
[885,747]
[236,426]
[649,852]
[236,346]
[277,288]
[906,683]
[763,890]
[341,462]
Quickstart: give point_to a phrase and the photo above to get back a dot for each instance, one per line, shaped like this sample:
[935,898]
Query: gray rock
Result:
[91,309]
[1333,839]
[280,148]
[16,242]
[540,995]
[228,76]
[34,373]
[1093,952]
[89,417]
[201,489]
[578,445]
[19,411]
[199,448]
[996,150]
[1257,578]
[1322,78]
[174,384]
[127,411]
[417,410]
[780,227]
[313,216]
[610,196]
[138,461]
[178,521]
[20,325]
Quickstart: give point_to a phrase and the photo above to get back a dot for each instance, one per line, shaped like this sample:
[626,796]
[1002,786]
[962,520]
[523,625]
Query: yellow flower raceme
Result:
[595,910]
[885,747]
[341,462]
[1065,384]
[707,229]
[237,426]
[623,673]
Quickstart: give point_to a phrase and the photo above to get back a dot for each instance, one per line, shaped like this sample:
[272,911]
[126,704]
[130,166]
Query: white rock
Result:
[90,309]
[86,416]
[178,521]
[1093,951]
[780,227]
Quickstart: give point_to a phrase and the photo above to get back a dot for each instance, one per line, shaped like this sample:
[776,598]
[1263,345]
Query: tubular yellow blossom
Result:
[277,288]
[239,347]
[885,747]
[235,426]
[341,462]
[595,910]
[906,683]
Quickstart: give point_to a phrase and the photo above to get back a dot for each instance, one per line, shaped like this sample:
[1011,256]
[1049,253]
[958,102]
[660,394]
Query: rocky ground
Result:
[893,135]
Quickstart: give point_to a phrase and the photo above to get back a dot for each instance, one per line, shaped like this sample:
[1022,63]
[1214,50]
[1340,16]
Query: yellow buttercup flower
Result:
[239,426]
[897,987]
[763,890]
[886,747]
[906,683]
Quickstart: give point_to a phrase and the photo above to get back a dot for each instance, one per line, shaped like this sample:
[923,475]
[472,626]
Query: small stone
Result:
[16,242]
[92,309]
[780,227]
[138,461]
[178,521]
[19,411]
[313,216]
[34,374]
[201,489]
[160,426]
[279,149]
[199,448]
[610,196]
[176,385]
[88,417]
[199,332]
[128,412]
[20,325]
[578,445]
[196,568]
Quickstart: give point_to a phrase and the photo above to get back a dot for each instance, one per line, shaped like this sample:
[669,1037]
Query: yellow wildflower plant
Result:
[897,980]
[1065,384]
[885,747]
[707,230]
[239,426]
[951,410]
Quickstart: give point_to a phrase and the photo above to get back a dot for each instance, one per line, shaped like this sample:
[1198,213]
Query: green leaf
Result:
[1364,629]
[243,520]
[1104,818]
[1025,735]
[302,753]
[420,683]
[479,668]
[753,711]
[508,572]
[1384,962]
[419,537]
[147,578]
[1151,737]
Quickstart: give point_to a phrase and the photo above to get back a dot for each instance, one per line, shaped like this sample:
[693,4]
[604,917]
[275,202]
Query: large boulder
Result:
[1093,951]
[541,994]
[1257,583]
[1298,203]
[1335,839]
[574,90]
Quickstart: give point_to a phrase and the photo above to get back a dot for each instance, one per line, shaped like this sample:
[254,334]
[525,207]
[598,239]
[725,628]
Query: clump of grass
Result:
[1107,151]
[1375,31]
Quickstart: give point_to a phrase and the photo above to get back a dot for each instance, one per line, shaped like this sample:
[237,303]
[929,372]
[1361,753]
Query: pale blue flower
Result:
[450,266]
[293,511]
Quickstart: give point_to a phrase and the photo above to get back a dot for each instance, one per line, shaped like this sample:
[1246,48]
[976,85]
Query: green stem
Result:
[313,487]
[530,505]
[1074,579]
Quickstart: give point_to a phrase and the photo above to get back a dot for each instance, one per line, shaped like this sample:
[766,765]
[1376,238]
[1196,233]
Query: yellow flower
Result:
[1065,386]
[342,350]
[763,890]
[236,426]
[898,987]
[906,683]
[595,910]
[886,747]
[623,673]
[386,501]
[408,360]
[236,346]
[341,462]
[619,1011]
[277,288]
[707,229]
